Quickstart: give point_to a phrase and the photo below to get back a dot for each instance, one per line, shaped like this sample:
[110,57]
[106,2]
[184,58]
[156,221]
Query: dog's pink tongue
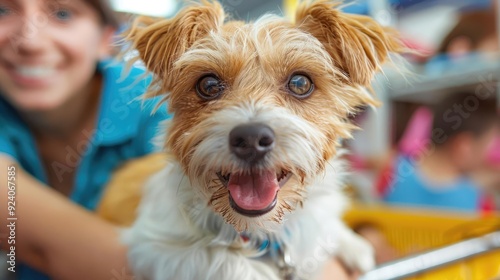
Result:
[255,191]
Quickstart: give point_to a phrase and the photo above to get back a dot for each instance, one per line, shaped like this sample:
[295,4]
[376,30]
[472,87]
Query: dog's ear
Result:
[357,44]
[160,42]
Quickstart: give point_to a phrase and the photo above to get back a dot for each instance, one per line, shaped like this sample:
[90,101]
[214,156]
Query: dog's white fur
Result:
[178,236]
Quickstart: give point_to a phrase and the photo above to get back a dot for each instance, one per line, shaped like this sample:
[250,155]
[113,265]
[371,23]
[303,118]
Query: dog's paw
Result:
[357,254]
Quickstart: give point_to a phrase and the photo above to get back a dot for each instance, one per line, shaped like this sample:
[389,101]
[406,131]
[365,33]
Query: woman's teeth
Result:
[34,72]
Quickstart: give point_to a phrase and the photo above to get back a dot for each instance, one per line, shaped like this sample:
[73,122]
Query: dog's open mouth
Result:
[255,193]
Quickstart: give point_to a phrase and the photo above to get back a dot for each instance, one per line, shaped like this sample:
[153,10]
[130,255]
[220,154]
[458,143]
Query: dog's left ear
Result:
[160,42]
[357,44]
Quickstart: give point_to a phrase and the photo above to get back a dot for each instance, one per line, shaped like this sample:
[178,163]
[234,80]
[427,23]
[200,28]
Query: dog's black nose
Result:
[251,142]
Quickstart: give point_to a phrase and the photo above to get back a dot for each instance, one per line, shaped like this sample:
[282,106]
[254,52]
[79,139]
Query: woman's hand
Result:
[334,270]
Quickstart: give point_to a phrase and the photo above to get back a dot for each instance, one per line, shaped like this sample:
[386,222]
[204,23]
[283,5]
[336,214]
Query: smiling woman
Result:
[67,121]
[48,53]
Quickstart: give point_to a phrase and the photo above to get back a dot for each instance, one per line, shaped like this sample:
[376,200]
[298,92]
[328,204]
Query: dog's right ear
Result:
[357,44]
[160,42]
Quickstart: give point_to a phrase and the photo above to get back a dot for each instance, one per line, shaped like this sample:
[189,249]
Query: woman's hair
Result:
[107,14]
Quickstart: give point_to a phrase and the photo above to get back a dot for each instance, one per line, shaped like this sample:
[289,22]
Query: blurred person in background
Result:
[68,119]
[447,160]
[441,175]
[475,31]
[426,171]
[474,38]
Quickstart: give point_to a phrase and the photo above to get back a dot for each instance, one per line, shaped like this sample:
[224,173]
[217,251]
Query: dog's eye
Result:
[209,87]
[300,86]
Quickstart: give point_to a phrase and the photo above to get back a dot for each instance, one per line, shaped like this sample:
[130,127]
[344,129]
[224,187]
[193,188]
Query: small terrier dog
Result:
[253,189]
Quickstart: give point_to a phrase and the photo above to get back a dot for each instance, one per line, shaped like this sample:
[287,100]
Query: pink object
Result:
[493,156]
[417,134]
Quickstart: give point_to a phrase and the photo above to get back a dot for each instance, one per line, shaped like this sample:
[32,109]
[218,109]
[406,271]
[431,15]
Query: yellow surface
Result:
[414,230]
[289,7]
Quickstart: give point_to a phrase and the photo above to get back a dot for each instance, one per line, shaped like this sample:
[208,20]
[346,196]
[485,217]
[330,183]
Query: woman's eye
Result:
[4,11]
[209,87]
[63,15]
[300,86]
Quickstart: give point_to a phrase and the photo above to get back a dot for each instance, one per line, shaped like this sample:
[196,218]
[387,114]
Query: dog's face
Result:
[259,107]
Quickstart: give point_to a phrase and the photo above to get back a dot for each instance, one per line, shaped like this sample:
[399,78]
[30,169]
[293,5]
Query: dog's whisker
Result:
[180,184]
